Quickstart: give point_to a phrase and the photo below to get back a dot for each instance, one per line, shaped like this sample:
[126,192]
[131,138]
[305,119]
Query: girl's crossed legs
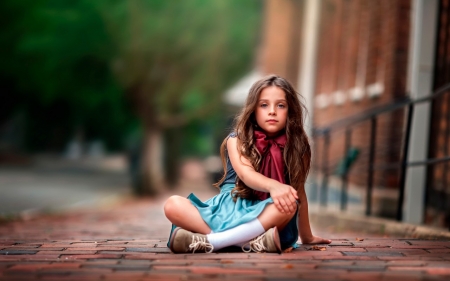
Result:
[182,213]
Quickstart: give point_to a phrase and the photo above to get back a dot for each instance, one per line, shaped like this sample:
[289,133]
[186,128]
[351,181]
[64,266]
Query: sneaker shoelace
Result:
[255,244]
[199,243]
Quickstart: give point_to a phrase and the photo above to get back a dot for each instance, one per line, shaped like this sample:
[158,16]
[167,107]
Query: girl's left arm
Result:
[304,228]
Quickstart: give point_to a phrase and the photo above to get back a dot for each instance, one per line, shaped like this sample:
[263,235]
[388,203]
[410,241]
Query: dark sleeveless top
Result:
[231,173]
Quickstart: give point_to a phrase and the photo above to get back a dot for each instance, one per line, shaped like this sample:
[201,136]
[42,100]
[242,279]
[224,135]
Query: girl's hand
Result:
[284,196]
[316,240]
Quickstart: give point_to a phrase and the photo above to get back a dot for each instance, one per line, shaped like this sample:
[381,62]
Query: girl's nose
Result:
[272,110]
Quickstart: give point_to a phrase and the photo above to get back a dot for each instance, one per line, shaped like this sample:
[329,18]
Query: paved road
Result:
[54,183]
[127,241]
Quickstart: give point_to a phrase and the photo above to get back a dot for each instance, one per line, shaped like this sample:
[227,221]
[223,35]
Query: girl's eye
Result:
[281,105]
[263,105]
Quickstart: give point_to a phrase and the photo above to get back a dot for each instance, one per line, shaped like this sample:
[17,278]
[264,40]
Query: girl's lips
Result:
[271,121]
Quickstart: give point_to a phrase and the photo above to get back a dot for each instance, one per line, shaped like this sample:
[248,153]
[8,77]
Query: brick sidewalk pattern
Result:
[127,241]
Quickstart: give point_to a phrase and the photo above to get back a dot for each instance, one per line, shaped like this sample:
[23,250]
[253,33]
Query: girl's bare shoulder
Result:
[232,141]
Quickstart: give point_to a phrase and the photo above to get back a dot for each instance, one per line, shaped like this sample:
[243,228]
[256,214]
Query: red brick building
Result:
[348,57]
[361,63]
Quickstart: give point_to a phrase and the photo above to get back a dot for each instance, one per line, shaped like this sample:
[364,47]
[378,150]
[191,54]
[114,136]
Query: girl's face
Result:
[271,110]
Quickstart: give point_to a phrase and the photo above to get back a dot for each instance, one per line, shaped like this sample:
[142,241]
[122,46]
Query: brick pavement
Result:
[127,241]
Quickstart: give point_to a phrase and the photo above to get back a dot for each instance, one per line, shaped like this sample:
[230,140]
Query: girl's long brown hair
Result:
[297,151]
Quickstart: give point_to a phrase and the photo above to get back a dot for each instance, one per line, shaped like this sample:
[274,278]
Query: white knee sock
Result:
[241,244]
[237,235]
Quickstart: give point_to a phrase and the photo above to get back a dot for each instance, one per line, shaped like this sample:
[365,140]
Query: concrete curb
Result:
[342,222]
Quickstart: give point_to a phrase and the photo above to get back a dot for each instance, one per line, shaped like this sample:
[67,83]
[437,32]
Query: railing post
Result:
[325,167]
[404,163]
[313,195]
[370,170]
[446,152]
[344,176]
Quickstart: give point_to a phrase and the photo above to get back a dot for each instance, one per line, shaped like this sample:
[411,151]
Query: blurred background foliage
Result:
[115,70]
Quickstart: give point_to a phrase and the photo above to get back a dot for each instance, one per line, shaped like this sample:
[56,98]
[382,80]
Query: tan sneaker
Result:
[183,241]
[267,242]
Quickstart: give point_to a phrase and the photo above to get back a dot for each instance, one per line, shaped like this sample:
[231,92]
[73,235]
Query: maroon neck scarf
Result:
[272,164]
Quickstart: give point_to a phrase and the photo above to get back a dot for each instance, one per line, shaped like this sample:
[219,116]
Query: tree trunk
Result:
[172,142]
[152,164]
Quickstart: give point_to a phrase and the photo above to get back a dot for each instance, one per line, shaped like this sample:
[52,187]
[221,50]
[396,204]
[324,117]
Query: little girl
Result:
[262,203]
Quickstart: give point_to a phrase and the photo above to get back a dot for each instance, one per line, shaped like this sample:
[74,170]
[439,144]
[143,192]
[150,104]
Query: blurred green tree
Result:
[76,65]
[55,68]
[175,59]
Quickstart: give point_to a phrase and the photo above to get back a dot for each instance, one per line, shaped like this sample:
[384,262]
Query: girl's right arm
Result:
[284,196]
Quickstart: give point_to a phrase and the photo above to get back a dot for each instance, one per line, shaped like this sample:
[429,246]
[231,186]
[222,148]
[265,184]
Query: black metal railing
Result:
[347,125]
